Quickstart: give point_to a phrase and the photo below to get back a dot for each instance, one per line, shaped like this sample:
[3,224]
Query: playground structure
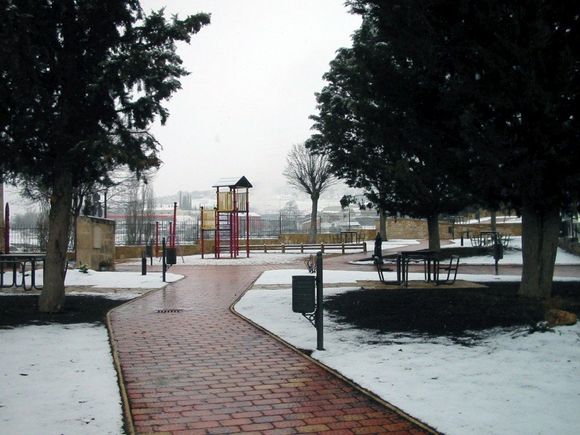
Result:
[233,202]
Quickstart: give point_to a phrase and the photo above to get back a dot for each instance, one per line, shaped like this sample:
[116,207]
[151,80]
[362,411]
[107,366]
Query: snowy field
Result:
[510,382]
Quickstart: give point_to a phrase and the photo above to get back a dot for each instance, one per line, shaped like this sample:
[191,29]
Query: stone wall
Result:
[407,228]
[124,252]
[96,243]
[512,229]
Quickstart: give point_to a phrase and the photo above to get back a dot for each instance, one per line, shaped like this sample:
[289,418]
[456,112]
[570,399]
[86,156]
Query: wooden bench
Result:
[302,247]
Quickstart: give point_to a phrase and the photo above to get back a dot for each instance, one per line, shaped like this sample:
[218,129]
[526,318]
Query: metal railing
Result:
[34,239]
[128,234]
[27,239]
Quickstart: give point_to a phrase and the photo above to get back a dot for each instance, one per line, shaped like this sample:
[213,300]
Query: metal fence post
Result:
[319,322]
[163,261]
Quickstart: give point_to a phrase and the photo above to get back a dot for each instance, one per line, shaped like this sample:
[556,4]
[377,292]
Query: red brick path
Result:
[203,370]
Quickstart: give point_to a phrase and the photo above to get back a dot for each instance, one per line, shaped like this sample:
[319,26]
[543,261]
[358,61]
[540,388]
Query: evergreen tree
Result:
[377,125]
[510,75]
[81,82]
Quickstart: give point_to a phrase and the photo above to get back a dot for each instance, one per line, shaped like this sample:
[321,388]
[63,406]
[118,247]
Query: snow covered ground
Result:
[510,382]
[512,255]
[58,379]
[104,280]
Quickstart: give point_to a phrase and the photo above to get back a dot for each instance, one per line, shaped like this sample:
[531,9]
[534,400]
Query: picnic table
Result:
[20,262]
[490,238]
[435,265]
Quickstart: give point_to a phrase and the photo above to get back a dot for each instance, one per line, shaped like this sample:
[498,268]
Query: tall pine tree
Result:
[81,82]
[511,74]
[379,123]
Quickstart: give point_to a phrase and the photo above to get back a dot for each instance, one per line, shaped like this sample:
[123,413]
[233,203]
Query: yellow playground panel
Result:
[232,198]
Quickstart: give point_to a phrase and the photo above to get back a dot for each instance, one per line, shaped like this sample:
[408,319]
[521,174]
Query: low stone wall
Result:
[511,228]
[362,235]
[95,242]
[124,252]
[409,228]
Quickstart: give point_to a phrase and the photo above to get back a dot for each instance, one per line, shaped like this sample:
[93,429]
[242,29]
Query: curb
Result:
[127,415]
[332,371]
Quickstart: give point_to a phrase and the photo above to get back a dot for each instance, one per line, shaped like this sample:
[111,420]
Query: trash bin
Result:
[171,255]
[303,287]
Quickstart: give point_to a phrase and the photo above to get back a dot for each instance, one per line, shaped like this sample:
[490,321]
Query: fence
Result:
[265,226]
[34,239]
[268,226]
[28,239]
[127,234]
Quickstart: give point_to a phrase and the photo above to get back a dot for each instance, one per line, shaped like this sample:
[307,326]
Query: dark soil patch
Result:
[23,310]
[447,312]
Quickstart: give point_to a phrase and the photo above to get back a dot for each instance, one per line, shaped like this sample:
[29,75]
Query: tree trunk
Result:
[540,231]
[383,224]
[494,221]
[52,297]
[2,217]
[313,217]
[433,229]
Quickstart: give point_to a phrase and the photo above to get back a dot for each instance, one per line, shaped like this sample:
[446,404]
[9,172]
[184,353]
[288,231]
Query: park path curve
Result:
[190,366]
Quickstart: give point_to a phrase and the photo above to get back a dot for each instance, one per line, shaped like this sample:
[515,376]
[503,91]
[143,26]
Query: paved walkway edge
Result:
[127,415]
[330,370]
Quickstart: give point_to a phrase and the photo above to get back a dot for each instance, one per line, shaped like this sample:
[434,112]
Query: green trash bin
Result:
[171,255]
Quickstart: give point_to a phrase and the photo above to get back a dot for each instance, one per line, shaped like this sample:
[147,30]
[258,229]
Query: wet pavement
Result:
[191,366]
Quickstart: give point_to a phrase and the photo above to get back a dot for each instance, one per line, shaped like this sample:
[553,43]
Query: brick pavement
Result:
[190,366]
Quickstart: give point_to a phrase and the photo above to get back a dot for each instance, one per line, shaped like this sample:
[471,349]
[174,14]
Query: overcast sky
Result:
[254,72]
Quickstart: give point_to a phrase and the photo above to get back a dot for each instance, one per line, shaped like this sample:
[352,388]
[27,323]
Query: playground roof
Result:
[233,182]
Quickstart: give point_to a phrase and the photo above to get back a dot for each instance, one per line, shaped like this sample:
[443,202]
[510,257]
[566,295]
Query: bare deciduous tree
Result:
[140,204]
[309,173]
